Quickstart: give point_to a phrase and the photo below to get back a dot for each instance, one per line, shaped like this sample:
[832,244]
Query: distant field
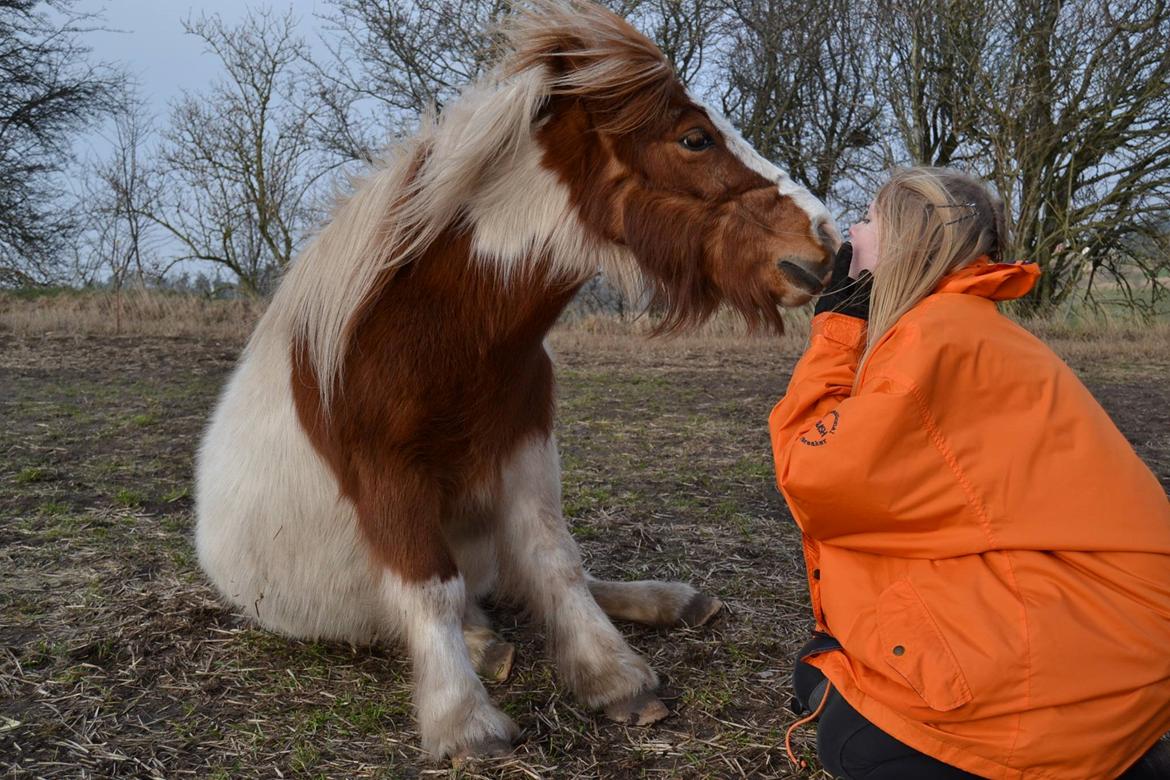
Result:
[116,660]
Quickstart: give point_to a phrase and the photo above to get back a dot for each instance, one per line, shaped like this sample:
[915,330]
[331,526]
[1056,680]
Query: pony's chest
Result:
[463,404]
[500,400]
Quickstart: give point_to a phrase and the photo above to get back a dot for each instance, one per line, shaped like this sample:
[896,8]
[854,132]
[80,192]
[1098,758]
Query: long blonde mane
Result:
[399,208]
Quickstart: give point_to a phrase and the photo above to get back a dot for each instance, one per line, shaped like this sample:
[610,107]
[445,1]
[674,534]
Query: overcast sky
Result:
[146,37]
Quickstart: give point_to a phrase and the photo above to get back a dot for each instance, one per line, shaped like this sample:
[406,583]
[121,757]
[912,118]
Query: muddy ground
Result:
[117,660]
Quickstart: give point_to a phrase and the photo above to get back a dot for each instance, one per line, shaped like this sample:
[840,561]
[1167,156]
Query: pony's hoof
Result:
[496,662]
[641,709]
[699,610]
[488,748]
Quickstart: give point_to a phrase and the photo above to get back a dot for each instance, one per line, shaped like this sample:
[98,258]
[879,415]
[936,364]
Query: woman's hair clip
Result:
[968,205]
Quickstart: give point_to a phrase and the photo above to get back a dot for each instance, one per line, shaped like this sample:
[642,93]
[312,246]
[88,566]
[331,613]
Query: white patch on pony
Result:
[524,213]
[804,200]
[541,566]
[272,532]
[454,710]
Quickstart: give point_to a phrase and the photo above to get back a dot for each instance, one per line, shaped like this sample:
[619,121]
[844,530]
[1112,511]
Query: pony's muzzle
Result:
[829,237]
[801,276]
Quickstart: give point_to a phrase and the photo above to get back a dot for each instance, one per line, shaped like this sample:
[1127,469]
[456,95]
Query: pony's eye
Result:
[697,140]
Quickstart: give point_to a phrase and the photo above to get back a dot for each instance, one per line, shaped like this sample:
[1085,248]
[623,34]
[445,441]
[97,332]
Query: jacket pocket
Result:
[914,647]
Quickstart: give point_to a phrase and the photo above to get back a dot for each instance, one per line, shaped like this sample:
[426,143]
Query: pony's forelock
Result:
[593,54]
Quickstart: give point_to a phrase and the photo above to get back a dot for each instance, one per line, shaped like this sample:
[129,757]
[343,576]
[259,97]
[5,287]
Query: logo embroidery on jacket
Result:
[824,430]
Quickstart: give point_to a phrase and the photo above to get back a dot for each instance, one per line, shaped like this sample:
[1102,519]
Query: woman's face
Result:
[864,237]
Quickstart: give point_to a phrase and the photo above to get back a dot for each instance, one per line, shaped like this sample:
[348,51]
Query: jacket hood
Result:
[994,281]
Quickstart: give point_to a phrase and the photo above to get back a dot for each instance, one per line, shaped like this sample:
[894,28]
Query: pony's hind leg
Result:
[491,656]
[654,603]
[540,566]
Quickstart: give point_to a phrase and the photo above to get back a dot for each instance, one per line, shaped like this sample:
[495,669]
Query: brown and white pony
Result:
[382,458]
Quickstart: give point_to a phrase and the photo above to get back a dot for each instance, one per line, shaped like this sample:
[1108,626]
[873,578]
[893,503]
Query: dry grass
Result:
[136,312]
[117,660]
[1117,339]
[1076,336]
[120,662]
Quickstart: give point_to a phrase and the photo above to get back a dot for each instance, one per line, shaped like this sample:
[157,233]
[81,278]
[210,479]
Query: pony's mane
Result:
[550,48]
[593,54]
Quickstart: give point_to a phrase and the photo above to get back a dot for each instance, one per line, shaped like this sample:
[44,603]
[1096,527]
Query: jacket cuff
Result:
[841,329]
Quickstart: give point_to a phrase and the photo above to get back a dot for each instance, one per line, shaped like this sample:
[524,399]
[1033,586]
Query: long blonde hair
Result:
[931,222]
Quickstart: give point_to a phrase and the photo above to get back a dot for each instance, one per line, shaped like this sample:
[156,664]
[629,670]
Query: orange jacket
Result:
[991,553]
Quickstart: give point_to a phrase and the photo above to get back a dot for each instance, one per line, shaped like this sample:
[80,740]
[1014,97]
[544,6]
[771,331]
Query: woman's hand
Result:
[845,294]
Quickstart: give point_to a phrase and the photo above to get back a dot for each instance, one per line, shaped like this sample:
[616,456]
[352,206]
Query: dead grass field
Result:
[116,660]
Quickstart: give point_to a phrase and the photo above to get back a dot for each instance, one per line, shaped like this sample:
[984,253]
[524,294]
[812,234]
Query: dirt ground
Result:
[117,660]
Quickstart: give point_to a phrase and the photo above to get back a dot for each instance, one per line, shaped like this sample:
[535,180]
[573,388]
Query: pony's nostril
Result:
[801,276]
[827,233]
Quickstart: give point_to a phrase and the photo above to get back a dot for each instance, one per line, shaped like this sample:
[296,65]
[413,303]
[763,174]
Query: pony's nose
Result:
[829,236]
[801,276]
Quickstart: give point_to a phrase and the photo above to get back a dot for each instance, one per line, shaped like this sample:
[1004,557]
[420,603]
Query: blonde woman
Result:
[988,558]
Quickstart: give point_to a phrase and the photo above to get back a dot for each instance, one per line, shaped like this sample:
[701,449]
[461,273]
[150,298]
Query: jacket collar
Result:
[994,281]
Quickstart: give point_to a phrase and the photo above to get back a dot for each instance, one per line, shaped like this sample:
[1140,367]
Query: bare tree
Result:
[241,166]
[120,197]
[48,92]
[928,58]
[685,30]
[1064,106]
[391,60]
[1079,132]
[799,86]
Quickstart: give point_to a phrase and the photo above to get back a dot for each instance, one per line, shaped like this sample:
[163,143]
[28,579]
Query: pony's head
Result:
[652,169]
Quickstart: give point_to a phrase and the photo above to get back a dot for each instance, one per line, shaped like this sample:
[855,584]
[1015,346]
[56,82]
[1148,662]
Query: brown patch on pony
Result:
[737,230]
[690,233]
[445,375]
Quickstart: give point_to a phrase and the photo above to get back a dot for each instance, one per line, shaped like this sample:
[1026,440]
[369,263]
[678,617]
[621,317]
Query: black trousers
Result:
[851,747]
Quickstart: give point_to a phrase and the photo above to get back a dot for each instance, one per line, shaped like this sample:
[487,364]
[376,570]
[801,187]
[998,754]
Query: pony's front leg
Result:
[424,599]
[455,715]
[540,565]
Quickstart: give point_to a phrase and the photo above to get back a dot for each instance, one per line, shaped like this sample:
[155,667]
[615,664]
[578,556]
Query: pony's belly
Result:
[272,531]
